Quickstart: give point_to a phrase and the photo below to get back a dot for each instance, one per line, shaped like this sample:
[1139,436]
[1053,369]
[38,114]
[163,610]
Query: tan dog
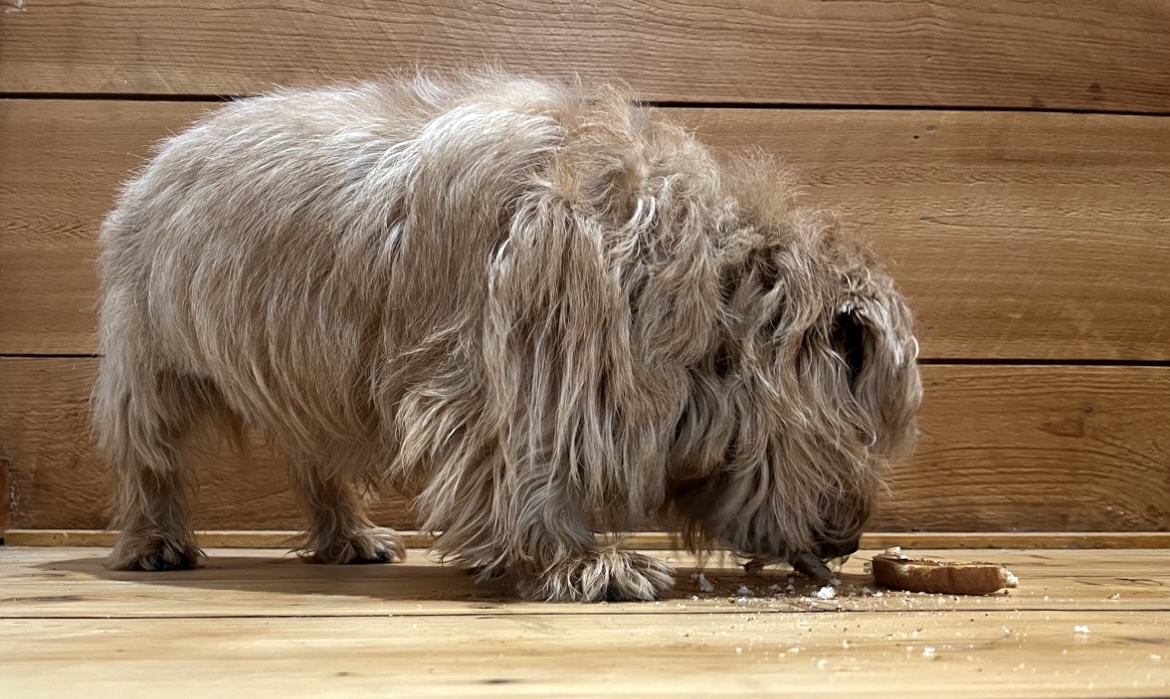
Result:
[541,310]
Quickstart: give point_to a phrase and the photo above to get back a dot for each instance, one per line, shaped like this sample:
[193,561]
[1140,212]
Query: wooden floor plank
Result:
[254,624]
[905,655]
[1016,236]
[1088,55]
[64,582]
[1002,449]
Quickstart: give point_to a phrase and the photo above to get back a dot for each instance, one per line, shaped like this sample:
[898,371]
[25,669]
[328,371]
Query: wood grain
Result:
[63,164]
[71,582]
[1003,449]
[643,541]
[5,498]
[612,656]
[615,655]
[1088,55]
[1016,236]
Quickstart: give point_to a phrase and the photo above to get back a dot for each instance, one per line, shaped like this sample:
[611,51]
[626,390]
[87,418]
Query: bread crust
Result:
[894,570]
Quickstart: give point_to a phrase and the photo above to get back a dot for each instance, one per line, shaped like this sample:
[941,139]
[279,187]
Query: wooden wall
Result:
[1010,159]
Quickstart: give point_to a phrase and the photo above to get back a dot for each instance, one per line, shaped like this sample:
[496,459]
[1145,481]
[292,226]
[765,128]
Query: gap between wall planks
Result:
[1016,236]
[1003,448]
[646,541]
[1090,55]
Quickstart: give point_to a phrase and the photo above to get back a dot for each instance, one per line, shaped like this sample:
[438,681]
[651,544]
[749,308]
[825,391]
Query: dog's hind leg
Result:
[142,417]
[339,531]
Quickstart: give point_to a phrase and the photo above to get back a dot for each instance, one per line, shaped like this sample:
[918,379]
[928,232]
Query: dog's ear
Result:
[878,354]
[849,336]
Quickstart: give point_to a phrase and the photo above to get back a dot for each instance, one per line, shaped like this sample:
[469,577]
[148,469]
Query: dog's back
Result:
[266,249]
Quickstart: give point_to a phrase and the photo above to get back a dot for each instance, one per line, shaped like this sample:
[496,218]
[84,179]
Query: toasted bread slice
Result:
[899,572]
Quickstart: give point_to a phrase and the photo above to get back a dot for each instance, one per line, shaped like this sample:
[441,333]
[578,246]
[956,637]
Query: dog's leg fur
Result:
[339,531]
[558,558]
[144,418]
[600,574]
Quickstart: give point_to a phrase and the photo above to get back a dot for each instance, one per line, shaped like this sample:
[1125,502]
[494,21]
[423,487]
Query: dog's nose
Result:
[837,549]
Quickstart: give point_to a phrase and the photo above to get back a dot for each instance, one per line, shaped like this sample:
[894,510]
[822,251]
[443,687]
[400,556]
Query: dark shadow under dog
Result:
[286,581]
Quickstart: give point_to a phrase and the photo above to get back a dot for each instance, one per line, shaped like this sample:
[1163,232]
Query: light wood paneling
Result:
[1003,449]
[62,165]
[1017,236]
[1080,625]
[1088,55]
[5,497]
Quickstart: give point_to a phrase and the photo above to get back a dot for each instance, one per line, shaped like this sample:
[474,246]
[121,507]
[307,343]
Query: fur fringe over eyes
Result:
[540,309]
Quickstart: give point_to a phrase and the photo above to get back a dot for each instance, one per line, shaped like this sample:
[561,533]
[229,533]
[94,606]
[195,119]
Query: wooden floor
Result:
[258,623]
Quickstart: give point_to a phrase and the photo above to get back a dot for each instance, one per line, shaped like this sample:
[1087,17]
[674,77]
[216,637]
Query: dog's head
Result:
[809,391]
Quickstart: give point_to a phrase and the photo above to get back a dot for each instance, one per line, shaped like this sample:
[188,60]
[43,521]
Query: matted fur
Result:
[542,310]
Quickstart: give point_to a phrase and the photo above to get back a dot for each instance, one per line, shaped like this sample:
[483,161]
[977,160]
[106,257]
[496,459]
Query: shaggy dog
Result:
[541,310]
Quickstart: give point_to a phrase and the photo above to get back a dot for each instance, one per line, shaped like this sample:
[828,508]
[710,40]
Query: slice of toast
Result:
[899,572]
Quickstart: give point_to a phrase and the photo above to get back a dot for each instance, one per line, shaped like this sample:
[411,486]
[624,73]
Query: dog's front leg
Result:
[555,557]
[599,574]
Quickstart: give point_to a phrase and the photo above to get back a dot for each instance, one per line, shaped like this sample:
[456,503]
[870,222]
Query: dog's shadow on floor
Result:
[289,581]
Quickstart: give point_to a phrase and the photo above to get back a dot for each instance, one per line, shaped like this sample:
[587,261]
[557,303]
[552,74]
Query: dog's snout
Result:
[838,549]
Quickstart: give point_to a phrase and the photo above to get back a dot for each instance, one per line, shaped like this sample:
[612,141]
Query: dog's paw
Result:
[376,545]
[148,551]
[609,575]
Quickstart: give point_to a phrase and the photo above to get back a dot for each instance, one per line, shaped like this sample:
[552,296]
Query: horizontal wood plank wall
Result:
[1016,236]
[1099,55]
[1002,448]
[1021,234]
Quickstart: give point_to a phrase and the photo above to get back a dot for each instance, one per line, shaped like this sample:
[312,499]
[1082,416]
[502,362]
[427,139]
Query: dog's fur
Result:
[541,309]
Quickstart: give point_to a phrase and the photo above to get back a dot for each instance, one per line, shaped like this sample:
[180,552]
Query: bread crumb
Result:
[827,592]
[928,652]
[1081,629]
[744,591]
[822,663]
[704,584]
